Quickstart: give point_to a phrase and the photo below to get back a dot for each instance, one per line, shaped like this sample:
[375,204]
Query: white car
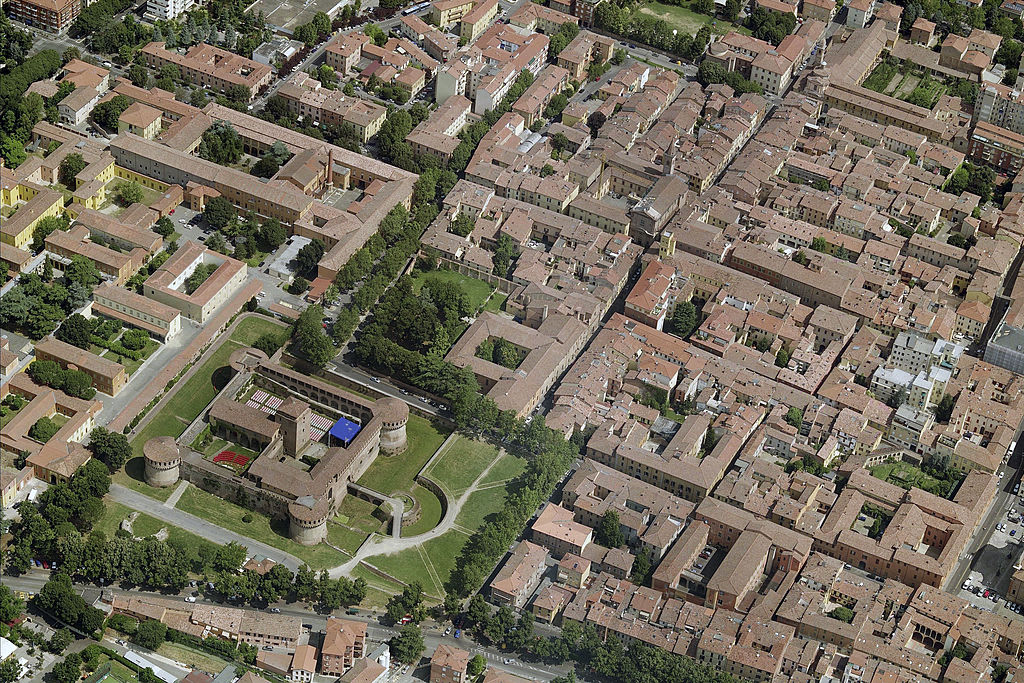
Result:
[190,599]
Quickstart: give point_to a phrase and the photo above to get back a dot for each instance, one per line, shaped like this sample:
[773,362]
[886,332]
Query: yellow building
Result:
[477,21]
[31,203]
[140,119]
[446,12]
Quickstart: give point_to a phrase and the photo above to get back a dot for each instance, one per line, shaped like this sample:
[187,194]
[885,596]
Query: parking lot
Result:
[989,578]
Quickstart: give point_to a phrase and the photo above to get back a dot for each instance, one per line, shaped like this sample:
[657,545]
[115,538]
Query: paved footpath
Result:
[173,499]
[200,527]
[377,545]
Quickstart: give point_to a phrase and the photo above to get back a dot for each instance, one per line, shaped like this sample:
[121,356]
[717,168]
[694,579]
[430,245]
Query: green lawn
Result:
[430,512]
[9,415]
[508,467]
[443,552]
[118,671]
[202,387]
[345,538]
[392,474]
[408,566]
[880,78]
[144,525]
[479,505]
[194,658]
[460,465]
[496,302]
[380,589]
[685,20]
[132,476]
[476,290]
[358,514]
[272,532]
[131,365]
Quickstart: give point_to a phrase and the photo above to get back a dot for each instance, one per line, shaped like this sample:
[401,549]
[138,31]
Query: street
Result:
[433,633]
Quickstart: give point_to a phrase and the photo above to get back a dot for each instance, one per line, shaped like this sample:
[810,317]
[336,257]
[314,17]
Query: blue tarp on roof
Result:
[344,431]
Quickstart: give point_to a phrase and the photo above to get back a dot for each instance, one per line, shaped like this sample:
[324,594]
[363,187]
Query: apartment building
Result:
[166,10]
[477,20]
[585,49]
[997,147]
[437,135]
[212,67]
[444,13]
[167,284]
[140,119]
[448,664]
[533,17]
[75,242]
[517,579]
[107,376]
[551,81]
[308,98]
[344,643]
[556,530]
[112,301]
[55,16]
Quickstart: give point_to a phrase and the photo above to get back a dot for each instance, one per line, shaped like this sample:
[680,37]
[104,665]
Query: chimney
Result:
[330,167]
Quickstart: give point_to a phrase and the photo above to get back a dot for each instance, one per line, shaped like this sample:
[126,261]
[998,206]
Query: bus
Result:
[415,9]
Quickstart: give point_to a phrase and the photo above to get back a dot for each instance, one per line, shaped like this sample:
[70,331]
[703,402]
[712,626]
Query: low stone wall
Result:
[225,484]
[432,486]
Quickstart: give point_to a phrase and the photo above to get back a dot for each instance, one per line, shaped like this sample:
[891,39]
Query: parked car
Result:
[275,610]
[190,599]
[458,633]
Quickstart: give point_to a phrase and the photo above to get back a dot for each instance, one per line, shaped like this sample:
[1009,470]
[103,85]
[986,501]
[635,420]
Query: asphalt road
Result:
[433,633]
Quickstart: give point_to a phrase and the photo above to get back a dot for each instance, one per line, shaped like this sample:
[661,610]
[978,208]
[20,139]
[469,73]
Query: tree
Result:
[273,234]
[407,646]
[309,256]
[476,665]
[641,568]
[59,641]
[732,10]
[944,408]
[795,417]
[43,429]
[782,357]
[150,634]
[841,613]
[684,319]
[800,257]
[129,192]
[106,114]
[69,670]
[76,330]
[164,227]
[219,212]
[10,606]
[957,240]
[609,532]
[10,670]
[110,448]
[221,144]
[69,168]
[478,613]
[595,122]
[138,74]
[81,270]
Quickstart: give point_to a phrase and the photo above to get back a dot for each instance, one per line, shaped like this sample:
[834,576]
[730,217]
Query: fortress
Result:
[313,441]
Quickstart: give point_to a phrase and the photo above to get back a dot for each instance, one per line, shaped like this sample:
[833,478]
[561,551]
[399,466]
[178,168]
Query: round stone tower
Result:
[394,414]
[307,520]
[163,461]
